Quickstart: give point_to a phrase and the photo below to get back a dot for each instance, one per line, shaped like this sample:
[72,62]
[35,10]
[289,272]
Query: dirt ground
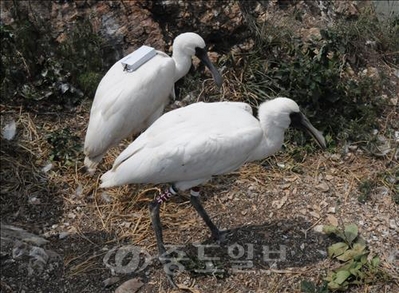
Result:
[61,233]
[273,211]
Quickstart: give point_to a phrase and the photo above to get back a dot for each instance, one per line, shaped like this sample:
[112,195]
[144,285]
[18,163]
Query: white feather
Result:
[189,145]
[128,102]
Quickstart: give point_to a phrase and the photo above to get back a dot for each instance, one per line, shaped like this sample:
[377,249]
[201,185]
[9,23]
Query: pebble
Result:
[34,200]
[333,220]
[335,157]
[392,224]
[329,177]
[131,286]
[318,228]
[111,281]
[71,215]
[323,187]
[331,210]
[63,235]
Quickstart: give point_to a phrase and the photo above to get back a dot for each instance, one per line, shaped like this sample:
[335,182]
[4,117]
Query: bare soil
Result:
[271,210]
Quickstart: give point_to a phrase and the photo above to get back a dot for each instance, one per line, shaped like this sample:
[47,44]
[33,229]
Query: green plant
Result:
[310,287]
[81,55]
[365,188]
[314,72]
[37,72]
[65,146]
[357,265]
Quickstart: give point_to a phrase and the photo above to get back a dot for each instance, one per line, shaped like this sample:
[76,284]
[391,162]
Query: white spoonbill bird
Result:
[189,145]
[126,103]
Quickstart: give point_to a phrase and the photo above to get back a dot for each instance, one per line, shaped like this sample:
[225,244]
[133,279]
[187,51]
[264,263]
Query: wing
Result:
[124,102]
[188,144]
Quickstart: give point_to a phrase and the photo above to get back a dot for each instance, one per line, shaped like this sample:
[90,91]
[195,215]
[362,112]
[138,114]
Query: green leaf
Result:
[332,230]
[355,253]
[347,255]
[328,229]
[337,249]
[333,285]
[342,276]
[356,270]
[375,262]
[323,288]
[351,231]
[363,259]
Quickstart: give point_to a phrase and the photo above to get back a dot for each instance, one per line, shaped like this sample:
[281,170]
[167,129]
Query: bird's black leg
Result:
[156,224]
[195,201]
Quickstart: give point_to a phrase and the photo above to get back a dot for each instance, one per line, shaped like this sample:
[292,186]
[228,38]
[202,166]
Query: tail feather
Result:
[108,179]
[91,164]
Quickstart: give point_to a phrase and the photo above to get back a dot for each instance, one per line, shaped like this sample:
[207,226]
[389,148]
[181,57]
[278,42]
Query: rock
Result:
[323,187]
[333,220]
[392,224]
[331,210]
[277,204]
[131,286]
[20,249]
[38,261]
[34,200]
[111,281]
[9,233]
[9,130]
[63,235]
[329,177]
[125,26]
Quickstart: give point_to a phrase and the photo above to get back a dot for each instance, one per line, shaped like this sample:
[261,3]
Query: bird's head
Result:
[285,112]
[188,42]
[192,44]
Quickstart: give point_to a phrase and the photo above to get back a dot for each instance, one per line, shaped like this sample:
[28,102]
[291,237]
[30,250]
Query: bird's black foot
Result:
[171,263]
[220,236]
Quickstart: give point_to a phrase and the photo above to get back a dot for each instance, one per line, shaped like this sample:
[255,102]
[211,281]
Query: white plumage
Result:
[128,102]
[188,146]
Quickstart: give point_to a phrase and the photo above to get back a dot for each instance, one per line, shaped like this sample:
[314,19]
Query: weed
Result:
[35,68]
[65,147]
[357,265]
[314,72]
[310,287]
[365,188]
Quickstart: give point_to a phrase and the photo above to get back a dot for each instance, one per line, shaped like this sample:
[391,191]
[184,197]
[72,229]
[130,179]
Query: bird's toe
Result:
[220,236]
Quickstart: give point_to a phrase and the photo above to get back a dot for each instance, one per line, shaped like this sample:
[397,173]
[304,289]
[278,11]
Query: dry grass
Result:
[258,196]
[279,200]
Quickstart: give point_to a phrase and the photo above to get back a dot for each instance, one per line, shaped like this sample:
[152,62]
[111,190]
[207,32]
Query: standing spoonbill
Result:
[189,145]
[126,103]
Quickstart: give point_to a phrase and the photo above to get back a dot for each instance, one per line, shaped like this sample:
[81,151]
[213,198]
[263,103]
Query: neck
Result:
[273,134]
[183,64]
